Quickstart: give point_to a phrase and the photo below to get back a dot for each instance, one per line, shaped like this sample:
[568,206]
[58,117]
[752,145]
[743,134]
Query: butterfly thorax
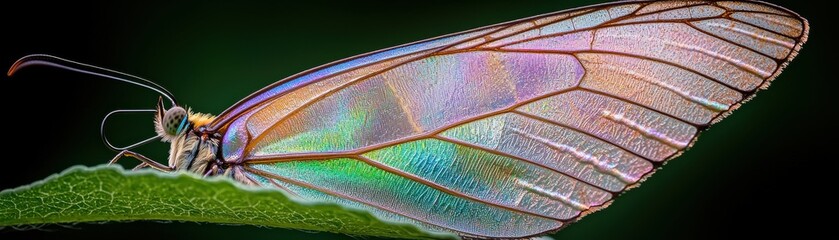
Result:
[196,152]
[192,149]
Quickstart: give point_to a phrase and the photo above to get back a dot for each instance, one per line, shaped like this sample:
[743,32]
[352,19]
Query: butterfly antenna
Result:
[124,111]
[53,61]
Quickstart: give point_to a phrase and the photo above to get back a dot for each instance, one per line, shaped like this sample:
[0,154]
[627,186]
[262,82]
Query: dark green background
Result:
[753,173]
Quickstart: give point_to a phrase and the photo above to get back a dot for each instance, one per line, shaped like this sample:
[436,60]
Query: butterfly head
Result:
[177,120]
[191,149]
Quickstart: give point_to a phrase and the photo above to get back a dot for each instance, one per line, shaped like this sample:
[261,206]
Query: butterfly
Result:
[506,131]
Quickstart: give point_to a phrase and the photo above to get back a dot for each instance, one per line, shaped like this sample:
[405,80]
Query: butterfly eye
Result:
[175,120]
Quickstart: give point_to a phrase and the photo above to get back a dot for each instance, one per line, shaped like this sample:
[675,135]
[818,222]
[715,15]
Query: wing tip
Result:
[805,24]
[800,41]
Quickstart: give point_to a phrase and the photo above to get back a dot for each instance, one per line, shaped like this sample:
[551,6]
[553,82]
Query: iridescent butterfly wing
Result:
[515,129]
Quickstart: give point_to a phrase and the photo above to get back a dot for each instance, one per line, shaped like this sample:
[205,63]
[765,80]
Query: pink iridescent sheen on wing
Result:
[516,129]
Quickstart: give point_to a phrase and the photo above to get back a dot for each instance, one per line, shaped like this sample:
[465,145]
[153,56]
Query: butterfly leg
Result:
[143,159]
[212,170]
[140,166]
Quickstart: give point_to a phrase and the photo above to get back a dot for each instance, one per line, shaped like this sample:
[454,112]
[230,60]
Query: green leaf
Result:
[109,193]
